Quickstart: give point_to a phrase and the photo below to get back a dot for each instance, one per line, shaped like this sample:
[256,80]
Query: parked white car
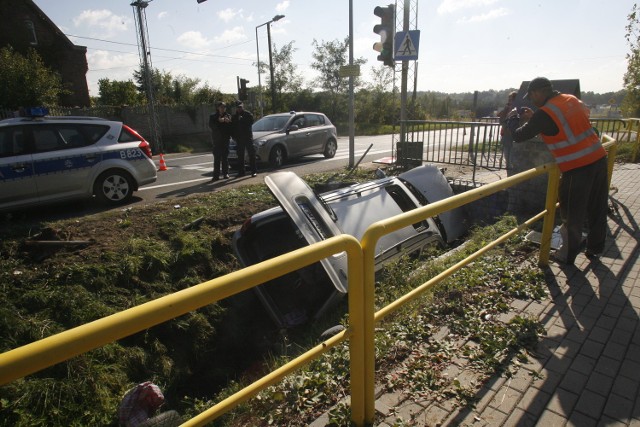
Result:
[51,159]
[305,217]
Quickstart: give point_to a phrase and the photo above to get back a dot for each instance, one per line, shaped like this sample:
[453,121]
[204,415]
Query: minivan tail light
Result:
[144,144]
[146,148]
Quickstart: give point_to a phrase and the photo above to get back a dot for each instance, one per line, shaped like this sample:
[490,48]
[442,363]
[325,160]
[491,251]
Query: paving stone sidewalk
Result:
[587,372]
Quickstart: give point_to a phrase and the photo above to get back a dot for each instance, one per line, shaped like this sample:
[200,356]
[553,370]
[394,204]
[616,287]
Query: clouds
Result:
[482,10]
[102,22]
[282,6]
[194,40]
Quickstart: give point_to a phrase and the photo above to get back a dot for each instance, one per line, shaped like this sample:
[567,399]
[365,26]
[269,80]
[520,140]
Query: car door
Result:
[63,159]
[312,218]
[315,133]
[297,137]
[17,178]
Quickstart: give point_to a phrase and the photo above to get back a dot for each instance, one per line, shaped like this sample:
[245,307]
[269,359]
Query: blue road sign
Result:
[405,45]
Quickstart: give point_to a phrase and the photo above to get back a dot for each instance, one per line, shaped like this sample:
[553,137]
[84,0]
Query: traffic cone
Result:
[163,165]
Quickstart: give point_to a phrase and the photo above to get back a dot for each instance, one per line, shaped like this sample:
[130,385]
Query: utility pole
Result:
[140,15]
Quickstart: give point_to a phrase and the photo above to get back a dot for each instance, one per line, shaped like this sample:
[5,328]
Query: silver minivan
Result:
[305,217]
[51,159]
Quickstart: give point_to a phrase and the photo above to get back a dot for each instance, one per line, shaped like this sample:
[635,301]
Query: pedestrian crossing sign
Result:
[406,45]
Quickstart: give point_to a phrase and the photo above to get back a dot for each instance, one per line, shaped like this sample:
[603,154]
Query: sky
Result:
[465,45]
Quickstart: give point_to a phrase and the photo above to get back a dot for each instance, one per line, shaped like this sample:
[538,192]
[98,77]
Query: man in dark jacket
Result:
[243,134]
[220,124]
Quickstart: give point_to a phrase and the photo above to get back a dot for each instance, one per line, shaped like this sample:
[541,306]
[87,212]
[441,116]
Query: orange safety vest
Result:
[576,144]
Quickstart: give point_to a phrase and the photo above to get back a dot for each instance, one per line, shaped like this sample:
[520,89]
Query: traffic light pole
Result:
[351,96]
[405,73]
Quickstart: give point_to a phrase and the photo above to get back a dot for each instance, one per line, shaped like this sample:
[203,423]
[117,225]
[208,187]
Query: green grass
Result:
[197,359]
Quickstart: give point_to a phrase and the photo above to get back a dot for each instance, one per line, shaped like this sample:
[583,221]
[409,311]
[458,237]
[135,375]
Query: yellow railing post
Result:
[368,243]
[550,214]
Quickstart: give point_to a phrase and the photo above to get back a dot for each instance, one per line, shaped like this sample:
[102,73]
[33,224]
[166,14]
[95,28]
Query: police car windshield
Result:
[270,123]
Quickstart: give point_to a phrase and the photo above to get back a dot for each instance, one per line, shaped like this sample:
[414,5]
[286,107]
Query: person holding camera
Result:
[221,127]
[505,134]
[563,122]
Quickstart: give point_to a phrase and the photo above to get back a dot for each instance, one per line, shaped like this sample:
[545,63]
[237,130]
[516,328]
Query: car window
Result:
[46,138]
[405,203]
[270,123]
[314,120]
[62,136]
[300,122]
[127,136]
[12,141]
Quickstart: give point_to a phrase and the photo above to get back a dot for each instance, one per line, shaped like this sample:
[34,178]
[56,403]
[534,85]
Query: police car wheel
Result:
[113,187]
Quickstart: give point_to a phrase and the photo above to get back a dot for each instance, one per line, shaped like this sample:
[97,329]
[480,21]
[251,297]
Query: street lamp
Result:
[273,89]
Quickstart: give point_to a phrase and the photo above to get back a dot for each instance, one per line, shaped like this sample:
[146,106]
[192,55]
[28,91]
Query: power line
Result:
[170,50]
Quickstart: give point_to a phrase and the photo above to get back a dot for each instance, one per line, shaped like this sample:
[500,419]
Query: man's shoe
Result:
[226,176]
[254,174]
[592,255]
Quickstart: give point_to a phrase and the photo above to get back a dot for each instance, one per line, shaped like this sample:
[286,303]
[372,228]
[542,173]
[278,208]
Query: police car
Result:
[45,159]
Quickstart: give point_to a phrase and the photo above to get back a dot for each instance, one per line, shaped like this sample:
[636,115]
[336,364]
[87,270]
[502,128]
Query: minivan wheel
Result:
[330,148]
[277,156]
[113,187]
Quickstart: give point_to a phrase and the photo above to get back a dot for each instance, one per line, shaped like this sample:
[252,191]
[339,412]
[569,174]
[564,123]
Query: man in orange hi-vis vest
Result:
[563,122]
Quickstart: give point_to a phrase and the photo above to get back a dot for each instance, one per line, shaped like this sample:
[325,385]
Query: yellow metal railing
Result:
[36,356]
[41,354]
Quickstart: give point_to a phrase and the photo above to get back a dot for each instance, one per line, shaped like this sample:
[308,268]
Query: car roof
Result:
[52,119]
[293,113]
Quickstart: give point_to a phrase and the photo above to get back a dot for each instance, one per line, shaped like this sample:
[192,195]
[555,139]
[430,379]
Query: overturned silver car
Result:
[305,217]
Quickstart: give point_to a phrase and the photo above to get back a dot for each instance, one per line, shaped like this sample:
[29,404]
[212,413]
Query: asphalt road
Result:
[191,173]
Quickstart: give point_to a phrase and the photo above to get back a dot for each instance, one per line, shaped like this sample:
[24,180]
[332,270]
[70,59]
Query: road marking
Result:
[210,168]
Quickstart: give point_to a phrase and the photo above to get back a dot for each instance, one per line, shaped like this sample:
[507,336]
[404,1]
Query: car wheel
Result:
[330,148]
[113,187]
[277,156]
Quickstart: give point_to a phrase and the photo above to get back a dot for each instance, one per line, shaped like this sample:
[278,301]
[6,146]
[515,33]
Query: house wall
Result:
[56,50]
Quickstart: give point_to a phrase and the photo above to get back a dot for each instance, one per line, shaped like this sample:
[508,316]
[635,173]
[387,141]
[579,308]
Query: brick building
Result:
[24,25]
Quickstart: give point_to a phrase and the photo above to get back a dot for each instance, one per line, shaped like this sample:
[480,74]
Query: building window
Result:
[31,32]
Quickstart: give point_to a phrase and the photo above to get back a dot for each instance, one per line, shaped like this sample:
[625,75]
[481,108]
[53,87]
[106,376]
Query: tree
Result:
[329,57]
[114,92]
[287,79]
[26,81]
[631,103]
[167,89]
[375,103]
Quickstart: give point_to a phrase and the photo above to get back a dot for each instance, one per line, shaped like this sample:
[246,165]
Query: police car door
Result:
[17,180]
[62,161]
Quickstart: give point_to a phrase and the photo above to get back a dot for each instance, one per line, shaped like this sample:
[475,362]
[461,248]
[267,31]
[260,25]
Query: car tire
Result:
[277,156]
[113,187]
[330,148]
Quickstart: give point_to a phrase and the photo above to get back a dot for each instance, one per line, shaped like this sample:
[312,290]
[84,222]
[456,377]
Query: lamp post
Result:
[273,90]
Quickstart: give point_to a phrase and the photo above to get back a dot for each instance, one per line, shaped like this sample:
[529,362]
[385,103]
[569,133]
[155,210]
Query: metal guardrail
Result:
[474,144]
[36,356]
[622,130]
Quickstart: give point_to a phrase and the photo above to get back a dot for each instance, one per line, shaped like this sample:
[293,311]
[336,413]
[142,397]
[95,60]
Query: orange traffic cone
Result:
[163,165]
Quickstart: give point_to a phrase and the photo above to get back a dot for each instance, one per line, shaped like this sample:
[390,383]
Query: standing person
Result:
[563,122]
[505,134]
[220,124]
[243,134]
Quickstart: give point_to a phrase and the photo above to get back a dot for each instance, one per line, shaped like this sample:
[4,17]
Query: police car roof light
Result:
[36,111]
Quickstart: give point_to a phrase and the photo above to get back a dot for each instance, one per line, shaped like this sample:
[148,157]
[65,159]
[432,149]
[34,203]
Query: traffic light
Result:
[386,29]
[242,90]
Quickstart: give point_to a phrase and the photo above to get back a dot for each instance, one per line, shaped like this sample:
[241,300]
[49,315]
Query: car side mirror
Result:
[292,128]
